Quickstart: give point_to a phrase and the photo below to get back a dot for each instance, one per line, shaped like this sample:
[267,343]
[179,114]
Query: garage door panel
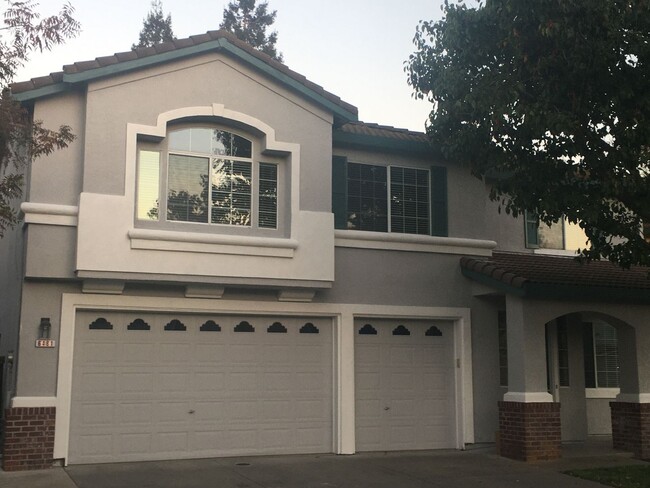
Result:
[404,381]
[190,393]
[135,413]
[99,352]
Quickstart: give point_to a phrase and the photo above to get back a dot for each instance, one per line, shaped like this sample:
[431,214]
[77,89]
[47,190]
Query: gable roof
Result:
[82,72]
[543,276]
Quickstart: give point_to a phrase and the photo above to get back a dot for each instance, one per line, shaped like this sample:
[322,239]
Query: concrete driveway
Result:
[431,469]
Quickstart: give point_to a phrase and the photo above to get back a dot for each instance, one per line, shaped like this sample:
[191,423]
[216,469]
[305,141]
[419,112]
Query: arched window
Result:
[207,175]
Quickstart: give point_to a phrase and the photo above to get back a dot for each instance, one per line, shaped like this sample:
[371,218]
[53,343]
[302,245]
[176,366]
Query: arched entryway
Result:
[563,322]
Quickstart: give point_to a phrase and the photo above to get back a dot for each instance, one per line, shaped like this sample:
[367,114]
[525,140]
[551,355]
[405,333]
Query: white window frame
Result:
[256,160]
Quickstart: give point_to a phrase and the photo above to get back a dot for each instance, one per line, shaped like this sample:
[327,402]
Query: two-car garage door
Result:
[148,386]
[152,386]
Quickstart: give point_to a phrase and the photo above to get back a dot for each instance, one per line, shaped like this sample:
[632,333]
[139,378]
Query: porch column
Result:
[529,421]
[631,410]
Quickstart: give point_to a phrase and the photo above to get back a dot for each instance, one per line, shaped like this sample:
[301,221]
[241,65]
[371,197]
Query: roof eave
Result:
[562,291]
[365,141]
[71,80]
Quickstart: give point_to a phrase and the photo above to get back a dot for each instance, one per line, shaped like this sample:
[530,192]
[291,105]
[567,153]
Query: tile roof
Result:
[175,45]
[518,270]
[376,130]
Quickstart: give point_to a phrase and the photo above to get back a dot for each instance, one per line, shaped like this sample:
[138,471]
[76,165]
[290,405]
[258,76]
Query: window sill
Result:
[556,252]
[412,242]
[609,393]
[210,243]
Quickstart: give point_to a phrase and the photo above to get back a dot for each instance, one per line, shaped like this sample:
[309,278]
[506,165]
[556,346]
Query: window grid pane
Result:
[268,196]
[503,348]
[367,197]
[606,356]
[231,192]
[563,352]
[409,195]
[187,189]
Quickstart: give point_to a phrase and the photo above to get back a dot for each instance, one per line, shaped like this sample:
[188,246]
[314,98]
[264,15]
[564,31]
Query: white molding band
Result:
[212,243]
[528,397]
[50,214]
[633,397]
[33,402]
[342,316]
[412,242]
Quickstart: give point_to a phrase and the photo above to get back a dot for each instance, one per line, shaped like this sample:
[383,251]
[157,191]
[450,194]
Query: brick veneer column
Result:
[29,438]
[631,428]
[529,431]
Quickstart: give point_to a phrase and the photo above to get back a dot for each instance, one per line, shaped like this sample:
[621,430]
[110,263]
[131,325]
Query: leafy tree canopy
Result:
[549,101]
[249,22]
[156,28]
[21,139]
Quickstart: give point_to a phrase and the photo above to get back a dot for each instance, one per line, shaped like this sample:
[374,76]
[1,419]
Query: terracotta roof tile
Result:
[517,269]
[177,44]
[369,129]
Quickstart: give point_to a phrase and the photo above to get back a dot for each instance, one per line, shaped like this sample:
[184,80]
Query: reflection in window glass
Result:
[231,192]
[210,141]
[148,184]
[187,192]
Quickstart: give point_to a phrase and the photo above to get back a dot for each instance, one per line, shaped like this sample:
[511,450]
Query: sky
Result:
[353,48]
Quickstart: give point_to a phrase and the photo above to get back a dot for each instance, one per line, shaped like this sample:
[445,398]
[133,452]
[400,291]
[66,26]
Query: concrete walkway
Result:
[479,467]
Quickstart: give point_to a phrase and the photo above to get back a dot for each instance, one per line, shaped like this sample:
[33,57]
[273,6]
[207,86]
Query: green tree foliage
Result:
[549,100]
[21,138]
[249,22]
[156,28]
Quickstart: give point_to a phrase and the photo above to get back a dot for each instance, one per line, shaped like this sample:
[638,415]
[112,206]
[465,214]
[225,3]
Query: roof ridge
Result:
[177,45]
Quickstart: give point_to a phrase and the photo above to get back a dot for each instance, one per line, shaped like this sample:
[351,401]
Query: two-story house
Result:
[227,262]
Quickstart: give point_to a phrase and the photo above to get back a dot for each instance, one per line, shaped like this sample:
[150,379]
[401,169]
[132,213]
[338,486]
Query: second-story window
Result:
[388,198]
[210,177]
[543,236]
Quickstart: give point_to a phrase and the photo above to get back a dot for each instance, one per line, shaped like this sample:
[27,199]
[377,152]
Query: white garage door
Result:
[155,386]
[404,385]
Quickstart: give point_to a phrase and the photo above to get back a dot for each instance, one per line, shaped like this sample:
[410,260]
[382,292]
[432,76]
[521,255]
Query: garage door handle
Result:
[191,412]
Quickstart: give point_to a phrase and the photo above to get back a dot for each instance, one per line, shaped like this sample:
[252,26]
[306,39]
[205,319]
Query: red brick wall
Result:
[29,438]
[529,431]
[631,428]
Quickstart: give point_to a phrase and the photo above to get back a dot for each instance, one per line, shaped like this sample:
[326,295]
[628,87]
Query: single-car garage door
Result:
[159,386]
[404,384]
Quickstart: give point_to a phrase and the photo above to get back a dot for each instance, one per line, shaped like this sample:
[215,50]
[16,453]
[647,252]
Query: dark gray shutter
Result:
[339,191]
[439,201]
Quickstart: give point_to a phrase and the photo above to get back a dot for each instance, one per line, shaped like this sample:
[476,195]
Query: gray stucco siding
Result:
[50,251]
[396,278]
[142,96]
[57,178]
[37,368]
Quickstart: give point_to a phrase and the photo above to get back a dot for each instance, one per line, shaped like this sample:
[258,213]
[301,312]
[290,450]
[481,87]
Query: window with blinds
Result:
[601,355]
[388,198]
[208,177]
